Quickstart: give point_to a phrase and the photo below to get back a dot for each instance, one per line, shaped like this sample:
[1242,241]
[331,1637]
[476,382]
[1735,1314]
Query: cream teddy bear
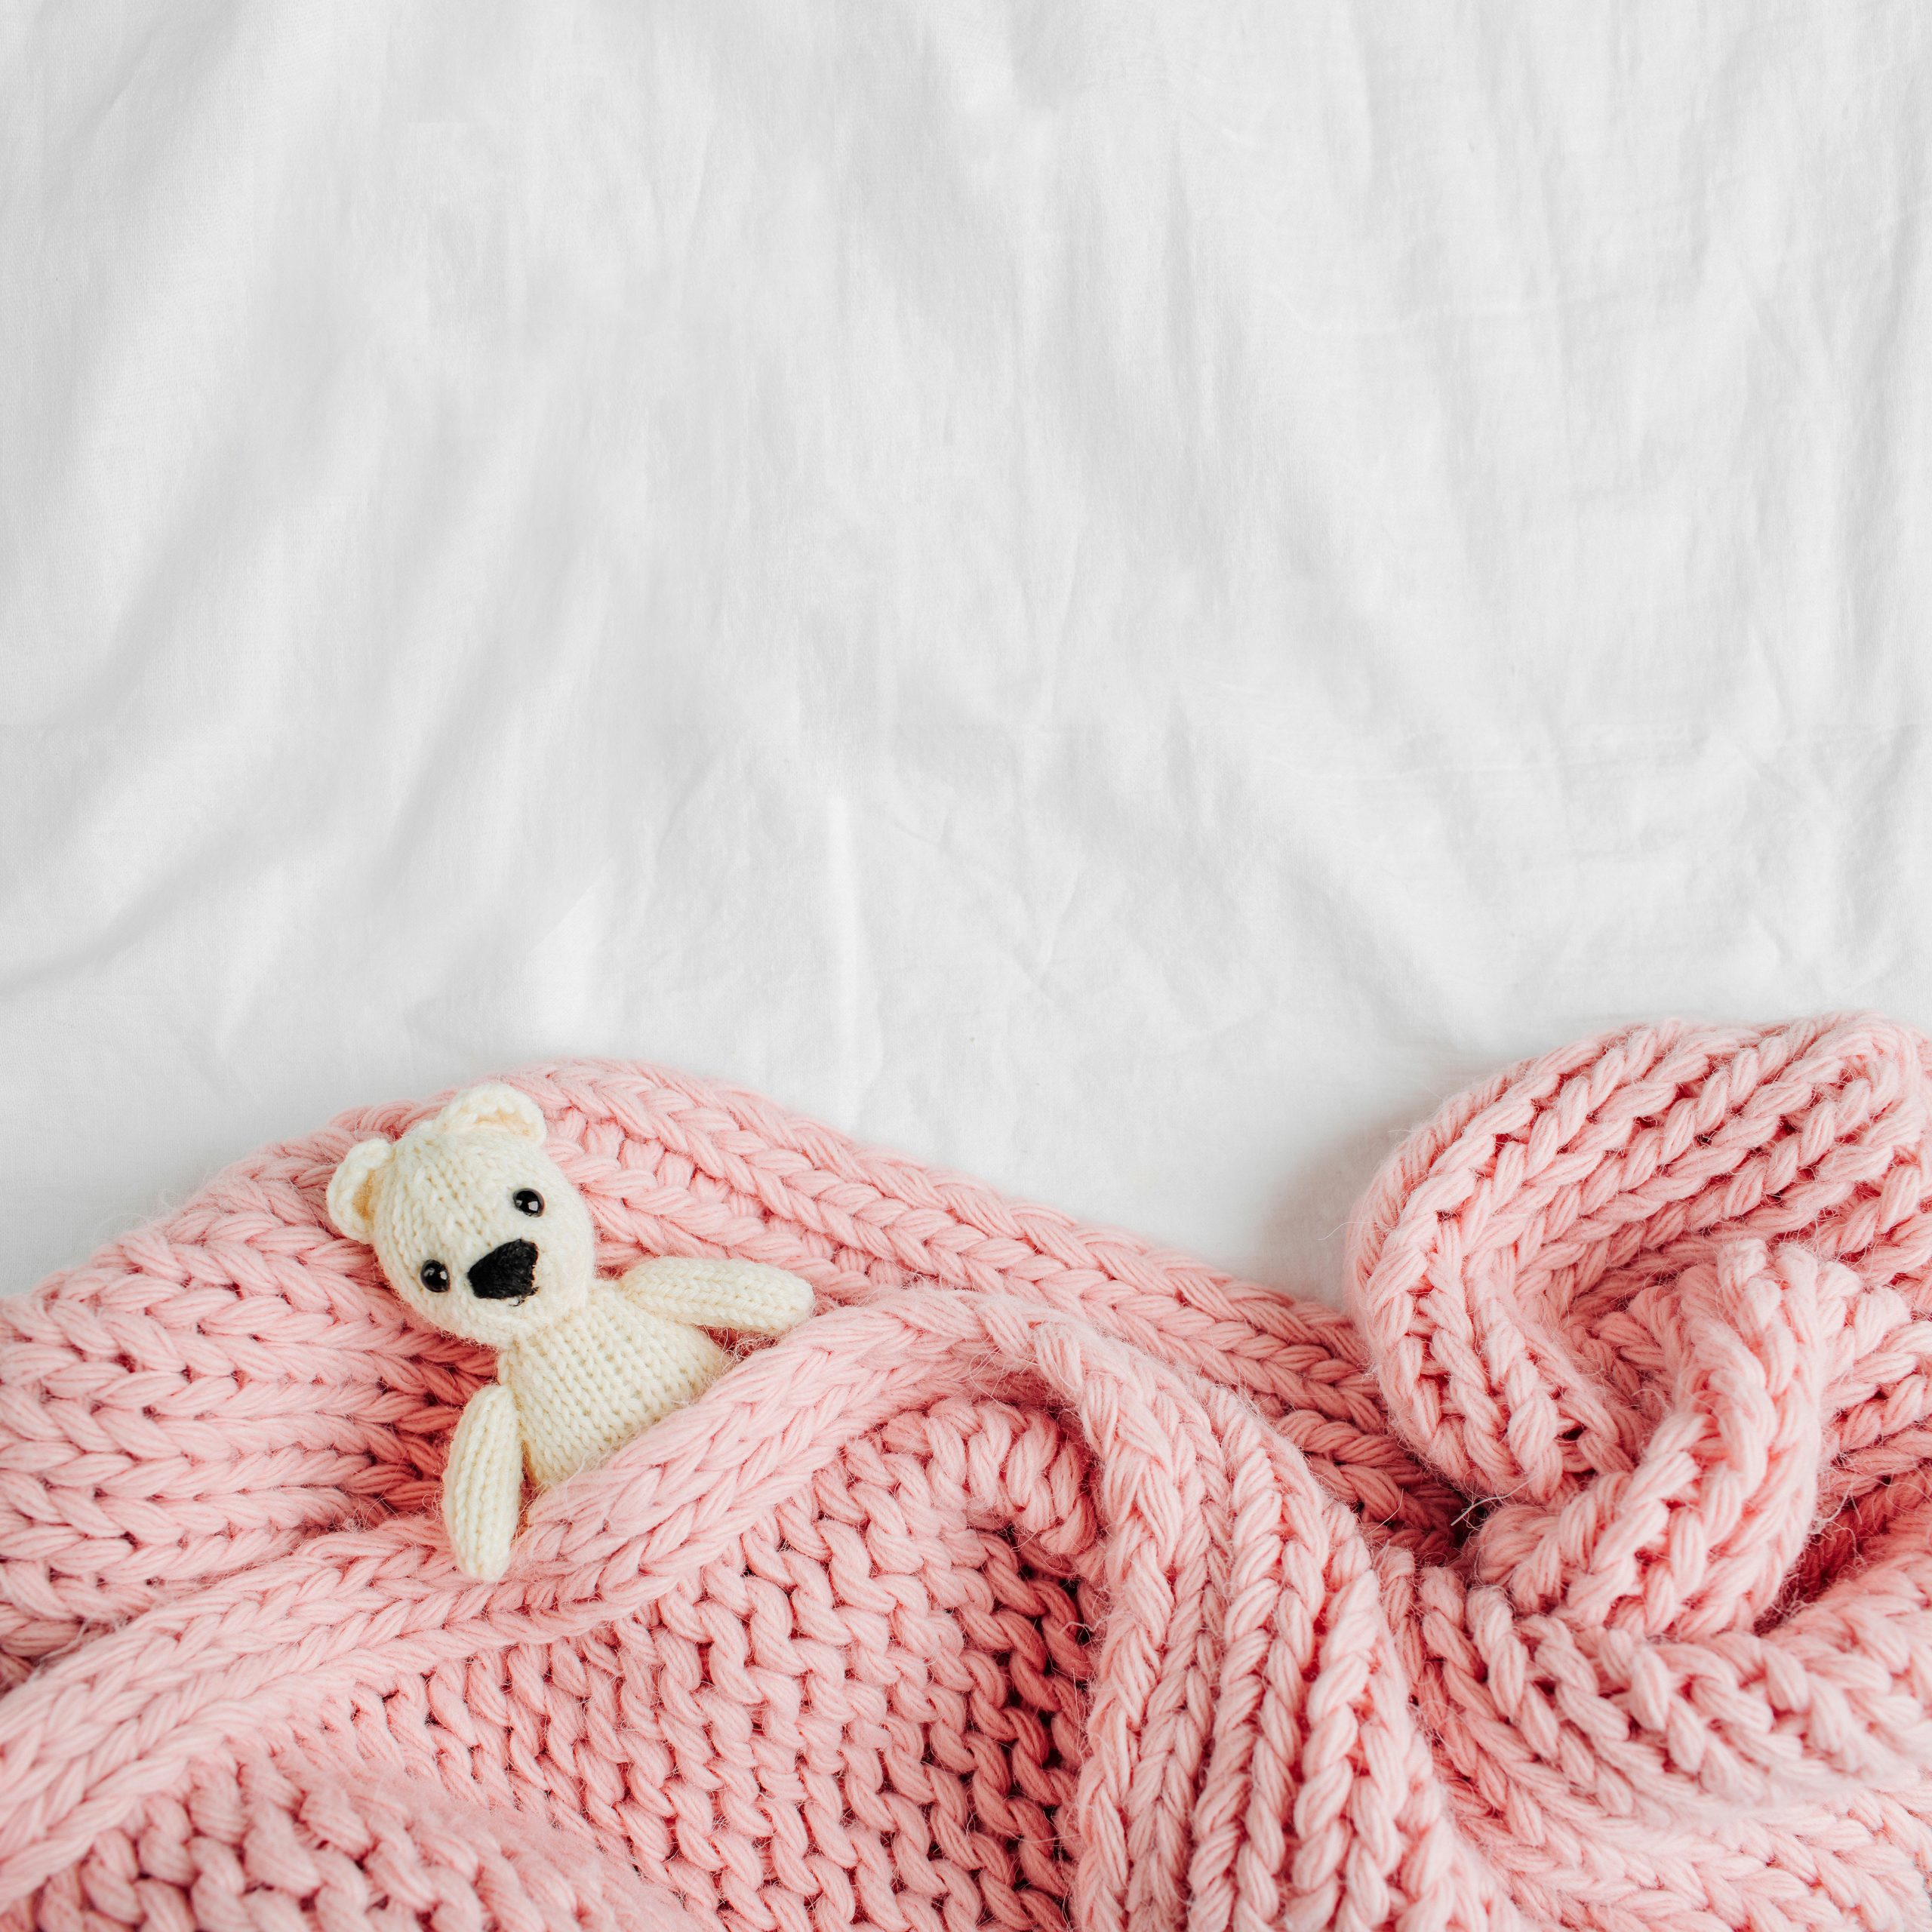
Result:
[479,1232]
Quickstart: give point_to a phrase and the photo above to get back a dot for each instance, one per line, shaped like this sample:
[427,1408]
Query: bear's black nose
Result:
[506,1273]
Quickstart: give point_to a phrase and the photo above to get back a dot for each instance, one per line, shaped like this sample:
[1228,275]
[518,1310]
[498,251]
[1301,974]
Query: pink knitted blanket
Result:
[1582,1579]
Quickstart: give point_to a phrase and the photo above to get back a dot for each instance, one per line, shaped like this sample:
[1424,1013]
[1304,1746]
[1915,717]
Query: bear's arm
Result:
[742,1295]
[483,1483]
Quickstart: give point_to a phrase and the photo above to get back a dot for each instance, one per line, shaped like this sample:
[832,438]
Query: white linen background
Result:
[1120,597]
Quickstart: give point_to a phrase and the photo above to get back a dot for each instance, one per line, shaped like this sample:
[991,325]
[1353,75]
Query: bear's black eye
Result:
[526,1200]
[434,1277]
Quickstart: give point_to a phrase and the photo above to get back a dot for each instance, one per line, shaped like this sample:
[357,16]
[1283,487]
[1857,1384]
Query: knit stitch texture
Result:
[1581,1578]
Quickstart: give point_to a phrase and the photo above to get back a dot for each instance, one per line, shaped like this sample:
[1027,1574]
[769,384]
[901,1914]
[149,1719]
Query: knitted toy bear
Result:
[479,1232]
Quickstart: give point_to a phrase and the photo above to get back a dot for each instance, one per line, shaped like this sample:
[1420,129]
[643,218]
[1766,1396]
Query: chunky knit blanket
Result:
[1578,1575]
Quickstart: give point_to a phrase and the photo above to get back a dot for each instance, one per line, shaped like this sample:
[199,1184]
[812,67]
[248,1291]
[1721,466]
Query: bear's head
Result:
[475,1227]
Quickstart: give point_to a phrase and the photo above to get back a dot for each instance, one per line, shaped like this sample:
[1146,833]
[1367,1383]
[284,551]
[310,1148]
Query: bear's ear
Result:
[352,1189]
[494,1105]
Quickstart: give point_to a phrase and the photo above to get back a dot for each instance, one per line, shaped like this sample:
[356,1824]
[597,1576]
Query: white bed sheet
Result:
[1118,596]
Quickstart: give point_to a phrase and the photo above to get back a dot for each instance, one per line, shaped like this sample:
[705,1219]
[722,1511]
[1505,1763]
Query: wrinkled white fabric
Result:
[1119,596]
